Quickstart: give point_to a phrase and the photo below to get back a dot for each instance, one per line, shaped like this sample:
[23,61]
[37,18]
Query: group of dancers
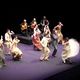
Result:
[9,47]
[42,37]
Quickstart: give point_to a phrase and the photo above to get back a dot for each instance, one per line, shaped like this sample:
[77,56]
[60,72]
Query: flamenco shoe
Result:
[46,59]
[68,61]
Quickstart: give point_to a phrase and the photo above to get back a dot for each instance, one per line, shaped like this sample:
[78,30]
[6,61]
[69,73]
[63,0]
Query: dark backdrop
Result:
[12,17]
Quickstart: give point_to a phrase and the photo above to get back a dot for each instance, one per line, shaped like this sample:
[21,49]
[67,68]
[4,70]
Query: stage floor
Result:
[31,68]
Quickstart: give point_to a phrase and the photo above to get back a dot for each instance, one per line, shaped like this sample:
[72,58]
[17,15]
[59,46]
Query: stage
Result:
[31,68]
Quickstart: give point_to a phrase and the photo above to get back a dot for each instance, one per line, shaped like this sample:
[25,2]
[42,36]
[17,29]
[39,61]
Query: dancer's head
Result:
[34,19]
[24,20]
[16,37]
[60,23]
[66,39]
[44,17]
[8,30]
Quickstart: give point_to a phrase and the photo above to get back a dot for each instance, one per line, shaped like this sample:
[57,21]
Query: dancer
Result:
[58,31]
[44,21]
[70,49]
[45,49]
[2,56]
[48,33]
[66,50]
[36,39]
[47,30]
[54,40]
[15,51]
[33,23]
[8,40]
[24,27]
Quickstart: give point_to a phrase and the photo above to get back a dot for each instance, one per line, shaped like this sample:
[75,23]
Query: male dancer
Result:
[44,22]
[8,40]
[24,27]
[54,38]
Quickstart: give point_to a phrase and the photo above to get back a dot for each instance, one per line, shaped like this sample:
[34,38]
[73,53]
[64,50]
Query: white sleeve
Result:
[6,37]
[43,42]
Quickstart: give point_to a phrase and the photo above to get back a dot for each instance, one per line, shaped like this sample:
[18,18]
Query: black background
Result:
[68,15]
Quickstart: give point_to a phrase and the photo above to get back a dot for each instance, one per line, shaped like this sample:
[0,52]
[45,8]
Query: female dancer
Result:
[70,49]
[2,56]
[36,39]
[45,48]
[58,31]
[16,52]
